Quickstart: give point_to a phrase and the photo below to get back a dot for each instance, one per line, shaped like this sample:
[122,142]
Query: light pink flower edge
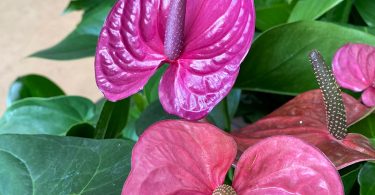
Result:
[181,157]
[354,68]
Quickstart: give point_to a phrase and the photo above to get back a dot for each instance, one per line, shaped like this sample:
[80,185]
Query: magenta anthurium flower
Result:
[203,42]
[304,117]
[354,69]
[181,157]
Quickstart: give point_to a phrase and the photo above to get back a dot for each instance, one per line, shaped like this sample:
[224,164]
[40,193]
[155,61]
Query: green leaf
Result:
[53,116]
[350,178]
[76,5]
[43,164]
[365,126]
[270,13]
[113,119]
[152,87]
[32,86]
[82,41]
[311,9]
[223,113]
[74,46]
[366,9]
[372,141]
[137,106]
[355,18]
[98,109]
[339,13]
[82,130]
[255,105]
[153,113]
[366,179]
[278,63]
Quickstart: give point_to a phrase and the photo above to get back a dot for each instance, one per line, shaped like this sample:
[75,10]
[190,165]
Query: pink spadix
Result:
[174,31]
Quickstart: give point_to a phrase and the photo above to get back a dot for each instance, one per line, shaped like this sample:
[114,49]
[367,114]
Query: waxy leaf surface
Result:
[32,86]
[278,61]
[304,117]
[44,164]
[53,116]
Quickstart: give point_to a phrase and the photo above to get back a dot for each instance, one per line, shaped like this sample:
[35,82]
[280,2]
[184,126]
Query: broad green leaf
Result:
[355,18]
[53,116]
[137,105]
[113,119]
[372,140]
[152,87]
[365,127]
[44,164]
[32,86]
[366,29]
[311,9]
[75,5]
[366,179]
[223,113]
[339,13]
[278,63]
[350,177]
[74,46]
[98,108]
[366,9]
[270,13]
[255,105]
[82,130]
[82,41]
[152,114]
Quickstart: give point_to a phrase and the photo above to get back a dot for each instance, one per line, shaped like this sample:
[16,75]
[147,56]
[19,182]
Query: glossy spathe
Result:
[181,157]
[304,117]
[354,68]
[216,37]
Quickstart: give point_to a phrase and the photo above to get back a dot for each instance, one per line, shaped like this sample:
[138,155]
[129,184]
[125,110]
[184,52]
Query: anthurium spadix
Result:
[181,157]
[318,118]
[203,42]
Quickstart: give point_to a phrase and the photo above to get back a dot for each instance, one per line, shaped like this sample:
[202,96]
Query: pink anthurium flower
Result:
[181,157]
[304,117]
[203,42]
[354,69]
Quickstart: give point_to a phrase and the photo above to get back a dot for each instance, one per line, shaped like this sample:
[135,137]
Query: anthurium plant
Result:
[209,97]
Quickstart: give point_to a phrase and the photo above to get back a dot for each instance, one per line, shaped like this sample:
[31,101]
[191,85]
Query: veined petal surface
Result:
[180,157]
[354,66]
[218,35]
[368,96]
[130,48]
[285,165]
[304,117]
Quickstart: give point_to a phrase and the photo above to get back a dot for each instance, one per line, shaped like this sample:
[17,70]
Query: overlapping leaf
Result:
[304,117]
[32,86]
[277,62]
[54,116]
[43,164]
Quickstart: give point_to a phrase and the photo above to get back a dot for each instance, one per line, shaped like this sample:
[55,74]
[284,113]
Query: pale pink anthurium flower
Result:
[354,69]
[181,157]
[203,41]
